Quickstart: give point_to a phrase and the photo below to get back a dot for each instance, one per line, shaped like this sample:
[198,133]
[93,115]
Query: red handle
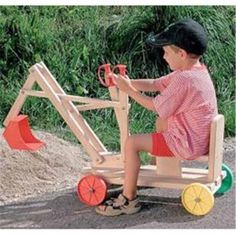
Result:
[108,80]
[122,69]
[105,82]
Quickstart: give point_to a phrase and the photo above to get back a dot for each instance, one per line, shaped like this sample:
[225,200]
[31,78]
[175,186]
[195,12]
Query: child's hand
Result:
[161,125]
[122,82]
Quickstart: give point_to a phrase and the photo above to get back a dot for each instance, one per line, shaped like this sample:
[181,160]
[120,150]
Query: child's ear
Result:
[183,53]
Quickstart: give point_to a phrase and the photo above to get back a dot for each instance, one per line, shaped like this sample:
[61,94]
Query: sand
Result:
[26,174]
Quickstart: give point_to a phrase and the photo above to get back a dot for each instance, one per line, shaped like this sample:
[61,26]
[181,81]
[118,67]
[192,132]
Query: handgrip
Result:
[122,69]
[105,82]
[108,80]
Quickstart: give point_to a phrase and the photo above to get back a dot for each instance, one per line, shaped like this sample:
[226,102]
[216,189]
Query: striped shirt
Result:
[187,100]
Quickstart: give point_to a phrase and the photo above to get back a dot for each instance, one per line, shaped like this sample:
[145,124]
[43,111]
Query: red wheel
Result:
[91,190]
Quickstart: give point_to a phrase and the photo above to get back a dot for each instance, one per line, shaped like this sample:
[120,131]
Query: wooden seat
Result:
[171,167]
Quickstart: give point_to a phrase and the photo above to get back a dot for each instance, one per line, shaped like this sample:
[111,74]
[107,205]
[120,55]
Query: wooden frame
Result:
[167,173]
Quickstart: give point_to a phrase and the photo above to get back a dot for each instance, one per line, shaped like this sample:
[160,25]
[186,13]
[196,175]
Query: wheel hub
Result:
[91,190]
[197,199]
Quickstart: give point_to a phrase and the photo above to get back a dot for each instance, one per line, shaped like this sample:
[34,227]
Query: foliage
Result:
[74,40]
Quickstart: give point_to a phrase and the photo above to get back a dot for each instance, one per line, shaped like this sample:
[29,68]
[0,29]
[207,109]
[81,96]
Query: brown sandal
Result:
[118,206]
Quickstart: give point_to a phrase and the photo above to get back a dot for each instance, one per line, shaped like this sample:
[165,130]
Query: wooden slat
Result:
[91,104]
[88,100]
[34,93]
[96,106]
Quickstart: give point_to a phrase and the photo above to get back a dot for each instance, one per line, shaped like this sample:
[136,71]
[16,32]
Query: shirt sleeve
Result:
[162,82]
[171,98]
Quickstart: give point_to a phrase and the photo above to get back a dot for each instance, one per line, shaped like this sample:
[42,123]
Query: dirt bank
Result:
[26,174]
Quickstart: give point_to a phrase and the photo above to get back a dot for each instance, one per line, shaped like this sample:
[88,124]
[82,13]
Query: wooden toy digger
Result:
[198,184]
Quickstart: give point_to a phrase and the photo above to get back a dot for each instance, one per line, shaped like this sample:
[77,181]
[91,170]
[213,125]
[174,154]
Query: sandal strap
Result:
[109,202]
[121,201]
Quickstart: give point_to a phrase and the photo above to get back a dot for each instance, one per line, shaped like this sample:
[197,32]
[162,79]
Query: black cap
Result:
[186,34]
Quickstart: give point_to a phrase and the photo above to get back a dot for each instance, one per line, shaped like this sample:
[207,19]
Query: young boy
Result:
[186,106]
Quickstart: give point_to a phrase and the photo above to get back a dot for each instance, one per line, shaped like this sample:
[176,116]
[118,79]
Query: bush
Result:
[73,41]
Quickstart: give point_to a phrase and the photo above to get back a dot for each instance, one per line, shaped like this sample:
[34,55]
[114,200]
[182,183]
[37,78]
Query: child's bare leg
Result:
[134,144]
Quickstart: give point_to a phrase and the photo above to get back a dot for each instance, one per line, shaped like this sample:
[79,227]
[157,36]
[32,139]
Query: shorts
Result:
[159,146]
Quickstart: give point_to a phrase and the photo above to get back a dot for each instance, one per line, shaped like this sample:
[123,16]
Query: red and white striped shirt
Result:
[188,102]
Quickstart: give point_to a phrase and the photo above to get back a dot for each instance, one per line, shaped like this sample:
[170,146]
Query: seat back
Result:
[215,157]
[171,167]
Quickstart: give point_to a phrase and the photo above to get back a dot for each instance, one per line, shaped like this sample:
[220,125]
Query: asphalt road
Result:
[161,209]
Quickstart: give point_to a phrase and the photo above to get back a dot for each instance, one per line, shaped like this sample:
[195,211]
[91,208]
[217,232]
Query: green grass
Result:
[73,41]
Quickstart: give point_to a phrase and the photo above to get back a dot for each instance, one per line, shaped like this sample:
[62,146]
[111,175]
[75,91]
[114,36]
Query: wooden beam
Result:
[87,100]
[148,177]
[34,93]
[97,106]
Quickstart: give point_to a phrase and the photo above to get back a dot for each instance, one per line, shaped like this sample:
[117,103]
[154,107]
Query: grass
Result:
[73,41]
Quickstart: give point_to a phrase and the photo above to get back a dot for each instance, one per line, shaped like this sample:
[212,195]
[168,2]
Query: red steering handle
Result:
[107,70]
[121,68]
[108,79]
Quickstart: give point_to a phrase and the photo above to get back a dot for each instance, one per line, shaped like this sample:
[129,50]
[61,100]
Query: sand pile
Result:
[25,174]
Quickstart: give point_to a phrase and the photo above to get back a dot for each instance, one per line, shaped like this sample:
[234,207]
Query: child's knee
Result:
[130,143]
[133,144]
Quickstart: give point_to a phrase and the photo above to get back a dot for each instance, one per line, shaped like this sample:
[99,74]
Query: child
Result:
[186,106]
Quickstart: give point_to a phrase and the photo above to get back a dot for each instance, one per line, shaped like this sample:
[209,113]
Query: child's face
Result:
[172,57]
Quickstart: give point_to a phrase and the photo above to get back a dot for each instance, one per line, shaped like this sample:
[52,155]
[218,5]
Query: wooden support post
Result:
[121,115]
[123,121]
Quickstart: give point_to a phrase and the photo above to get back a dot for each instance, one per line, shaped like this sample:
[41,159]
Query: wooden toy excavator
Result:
[198,184]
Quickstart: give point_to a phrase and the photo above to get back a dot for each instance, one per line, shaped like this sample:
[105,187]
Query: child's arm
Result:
[142,99]
[126,86]
[145,85]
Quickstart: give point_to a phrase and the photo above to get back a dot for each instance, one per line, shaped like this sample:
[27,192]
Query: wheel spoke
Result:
[194,191]
[90,197]
[94,179]
[201,192]
[200,206]
[96,197]
[206,203]
[84,191]
[194,206]
[189,201]
[87,182]
[190,195]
